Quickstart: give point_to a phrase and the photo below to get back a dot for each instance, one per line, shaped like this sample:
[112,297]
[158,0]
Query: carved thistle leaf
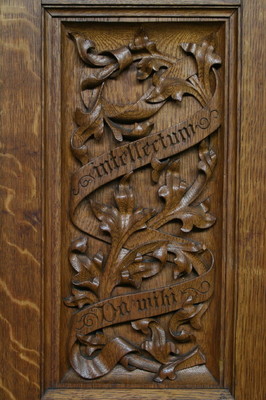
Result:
[192,315]
[179,198]
[182,264]
[134,267]
[157,345]
[80,298]
[142,42]
[150,64]
[90,124]
[157,168]
[206,59]
[169,370]
[175,88]
[123,221]
[89,270]
[169,85]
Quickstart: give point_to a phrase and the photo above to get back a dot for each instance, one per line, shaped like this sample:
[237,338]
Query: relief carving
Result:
[139,248]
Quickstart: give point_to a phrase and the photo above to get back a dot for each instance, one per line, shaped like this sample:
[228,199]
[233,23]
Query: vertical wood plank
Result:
[250,335]
[20,183]
[20,199]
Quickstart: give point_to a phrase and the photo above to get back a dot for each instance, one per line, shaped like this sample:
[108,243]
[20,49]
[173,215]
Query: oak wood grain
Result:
[52,205]
[20,183]
[250,348]
[143,3]
[140,14]
[21,198]
[139,394]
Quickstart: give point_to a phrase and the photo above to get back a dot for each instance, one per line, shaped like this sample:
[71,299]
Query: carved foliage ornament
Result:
[139,249]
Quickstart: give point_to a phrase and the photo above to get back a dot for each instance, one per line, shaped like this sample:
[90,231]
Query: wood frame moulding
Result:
[53,17]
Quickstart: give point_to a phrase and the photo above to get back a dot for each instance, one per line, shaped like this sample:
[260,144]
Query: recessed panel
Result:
[142,203]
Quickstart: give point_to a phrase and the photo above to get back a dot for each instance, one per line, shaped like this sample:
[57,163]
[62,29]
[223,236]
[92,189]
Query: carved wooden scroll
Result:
[125,314]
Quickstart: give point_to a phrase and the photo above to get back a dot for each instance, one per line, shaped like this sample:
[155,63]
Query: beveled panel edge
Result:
[196,13]
[144,3]
[138,394]
[51,111]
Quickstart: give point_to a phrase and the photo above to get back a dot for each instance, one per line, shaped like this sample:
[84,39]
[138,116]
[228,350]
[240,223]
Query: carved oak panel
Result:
[143,146]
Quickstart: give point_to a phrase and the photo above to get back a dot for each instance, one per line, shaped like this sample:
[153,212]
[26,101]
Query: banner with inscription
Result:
[146,304]
[121,308]
[161,145]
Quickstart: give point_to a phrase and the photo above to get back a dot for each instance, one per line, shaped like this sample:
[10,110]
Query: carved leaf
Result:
[91,124]
[148,65]
[172,193]
[137,271]
[208,159]
[175,187]
[137,132]
[189,314]
[205,58]
[123,221]
[134,268]
[158,249]
[157,168]
[178,197]
[169,85]
[80,298]
[89,270]
[98,77]
[78,147]
[169,370]
[175,88]
[142,42]
[157,346]
[182,263]
[195,216]
[138,111]
[91,120]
